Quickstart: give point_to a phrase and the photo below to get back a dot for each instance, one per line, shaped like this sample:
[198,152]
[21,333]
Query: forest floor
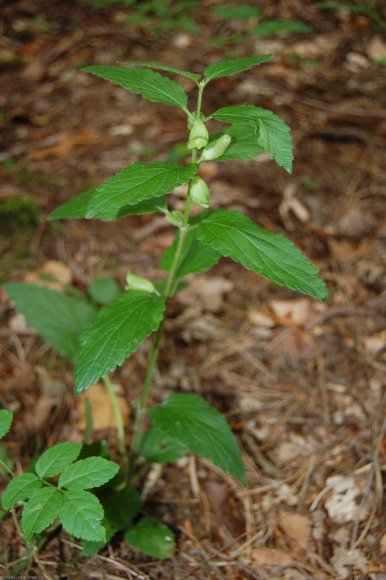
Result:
[301,382]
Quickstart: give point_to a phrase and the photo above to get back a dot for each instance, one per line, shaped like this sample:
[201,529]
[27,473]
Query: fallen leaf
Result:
[259,318]
[298,311]
[208,290]
[343,560]
[296,527]
[343,503]
[272,557]
[53,274]
[101,410]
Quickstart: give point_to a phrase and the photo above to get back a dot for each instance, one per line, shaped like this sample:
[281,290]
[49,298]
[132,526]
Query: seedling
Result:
[101,338]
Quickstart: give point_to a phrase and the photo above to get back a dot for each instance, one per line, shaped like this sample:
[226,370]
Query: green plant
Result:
[360,8]
[100,339]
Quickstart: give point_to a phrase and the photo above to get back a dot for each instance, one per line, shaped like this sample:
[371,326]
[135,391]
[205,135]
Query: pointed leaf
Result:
[151,537]
[195,256]
[55,459]
[266,253]
[151,85]
[88,473]
[22,487]
[159,66]
[202,428]
[55,316]
[6,418]
[134,184]
[226,68]
[119,329]
[81,515]
[158,447]
[40,511]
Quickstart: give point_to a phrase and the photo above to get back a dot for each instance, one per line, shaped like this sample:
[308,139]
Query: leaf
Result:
[91,548]
[226,68]
[151,85]
[22,487]
[244,144]
[55,316]
[40,511]
[77,207]
[195,256]
[120,506]
[134,184]
[103,290]
[119,329]
[158,65]
[191,420]
[240,12]
[6,418]
[88,473]
[273,134]
[57,458]
[271,27]
[151,537]
[234,235]
[158,447]
[81,514]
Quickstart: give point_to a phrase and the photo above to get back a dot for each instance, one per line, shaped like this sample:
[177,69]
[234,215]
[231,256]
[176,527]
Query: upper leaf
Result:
[119,329]
[266,253]
[55,316]
[81,514]
[40,511]
[195,256]
[134,184]
[55,459]
[191,420]
[273,134]
[159,66]
[244,145]
[151,537]
[151,85]
[226,68]
[6,418]
[76,207]
[20,488]
[88,473]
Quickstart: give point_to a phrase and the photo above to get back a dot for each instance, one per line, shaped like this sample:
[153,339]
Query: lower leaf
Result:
[151,537]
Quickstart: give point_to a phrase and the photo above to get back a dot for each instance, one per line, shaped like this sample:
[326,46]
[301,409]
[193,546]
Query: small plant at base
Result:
[101,341]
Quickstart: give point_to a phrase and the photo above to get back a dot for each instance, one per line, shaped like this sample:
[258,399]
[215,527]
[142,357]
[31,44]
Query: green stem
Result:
[5,466]
[119,424]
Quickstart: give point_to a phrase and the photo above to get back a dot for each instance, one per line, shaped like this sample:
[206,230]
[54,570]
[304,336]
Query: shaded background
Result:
[301,382]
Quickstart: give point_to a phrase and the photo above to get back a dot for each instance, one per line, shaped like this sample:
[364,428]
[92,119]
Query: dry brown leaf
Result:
[53,274]
[273,557]
[344,503]
[298,311]
[296,527]
[260,318]
[65,144]
[102,413]
[208,290]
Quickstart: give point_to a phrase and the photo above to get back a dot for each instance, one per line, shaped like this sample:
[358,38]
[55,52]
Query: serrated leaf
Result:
[40,511]
[57,458]
[151,537]
[77,206]
[134,184]
[22,487]
[244,144]
[273,134]
[158,447]
[6,418]
[81,515]
[226,68]
[103,290]
[191,420]
[55,316]
[91,548]
[88,473]
[271,27]
[234,235]
[119,329]
[159,66]
[151,85]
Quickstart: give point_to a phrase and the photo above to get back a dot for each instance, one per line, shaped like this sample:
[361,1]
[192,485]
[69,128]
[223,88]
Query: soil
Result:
[302,383]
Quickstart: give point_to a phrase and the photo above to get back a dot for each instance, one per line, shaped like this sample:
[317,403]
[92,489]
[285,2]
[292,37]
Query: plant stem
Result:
[119,424]
[5,466]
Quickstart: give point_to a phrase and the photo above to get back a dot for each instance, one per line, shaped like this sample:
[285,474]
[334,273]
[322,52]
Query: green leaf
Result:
[151,85]
[244,144]
[191,420]
[77,207]
[240,12]
[119,329]
[158,447]
[134,184]
[151,537]
[103,290]
[88,473]
[6,418]
[234,235]
[22,487]
[226,68]
[273,134]
[120,506]
[195,256]
[159,66]
[91,548]
[55,316]
[81,515]
[57,458]
[40,511]
[271,27]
